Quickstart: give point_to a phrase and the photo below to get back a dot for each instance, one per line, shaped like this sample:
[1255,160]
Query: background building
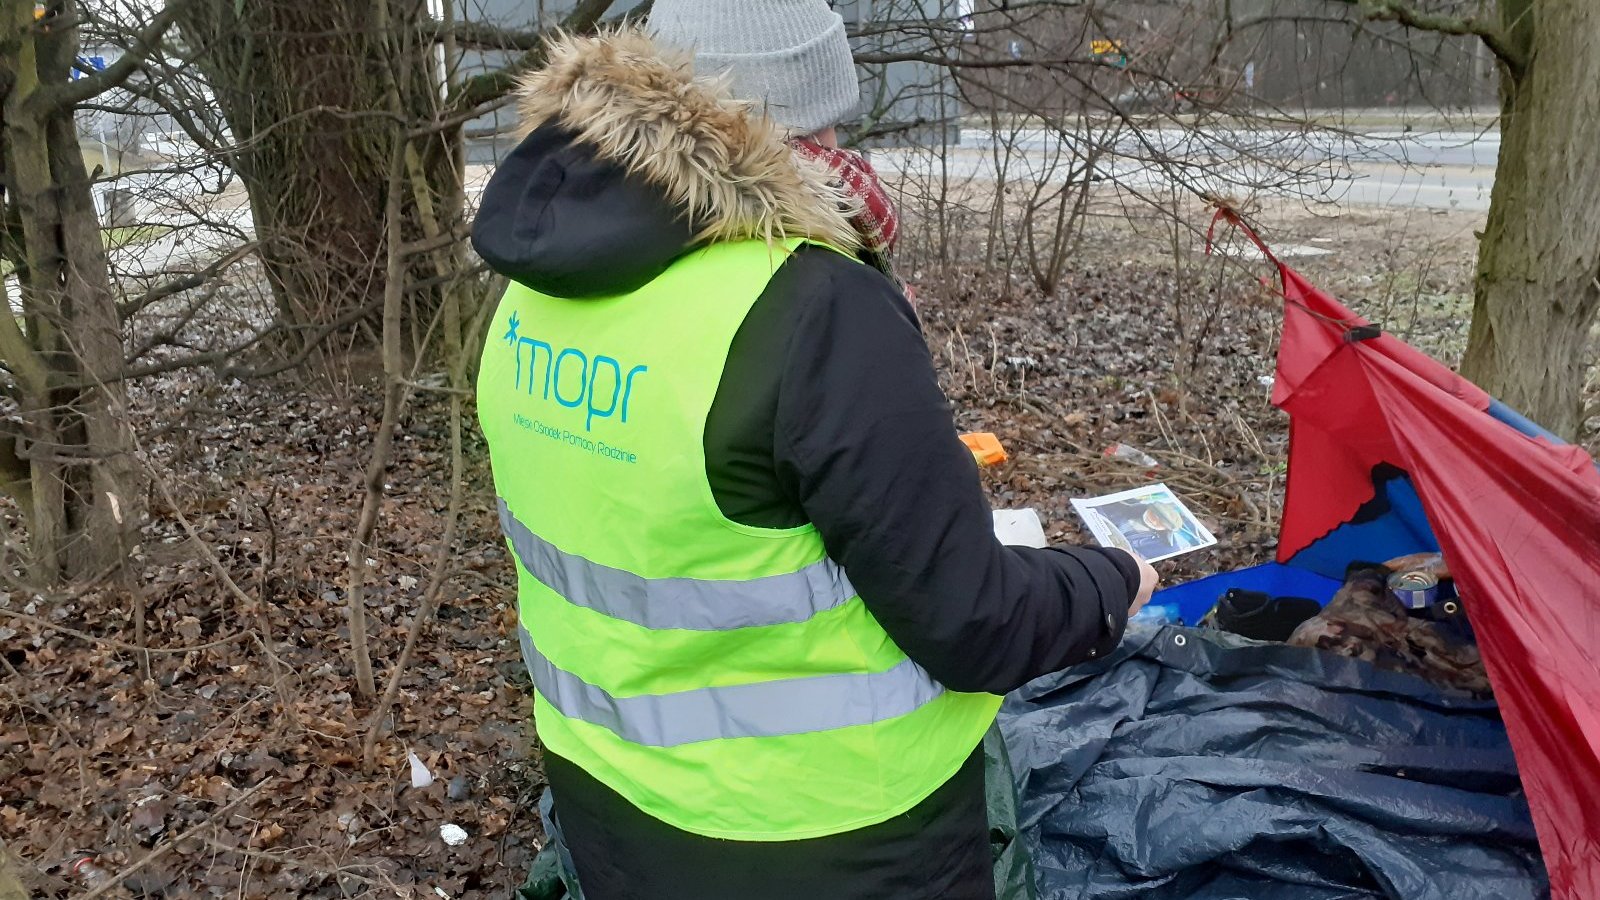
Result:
[902,101]
[1178,55]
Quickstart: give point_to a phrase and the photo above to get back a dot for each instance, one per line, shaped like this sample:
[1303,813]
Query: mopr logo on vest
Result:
[603,388]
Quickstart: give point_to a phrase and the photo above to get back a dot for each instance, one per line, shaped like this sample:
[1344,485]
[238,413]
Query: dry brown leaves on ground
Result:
[95,756]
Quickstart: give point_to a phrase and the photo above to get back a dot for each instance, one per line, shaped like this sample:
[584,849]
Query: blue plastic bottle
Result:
[1158,614]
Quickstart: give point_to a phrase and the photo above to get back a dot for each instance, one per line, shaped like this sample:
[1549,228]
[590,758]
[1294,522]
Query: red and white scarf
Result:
[876,223]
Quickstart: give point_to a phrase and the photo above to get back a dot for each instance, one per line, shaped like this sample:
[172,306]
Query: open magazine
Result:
[1149,521]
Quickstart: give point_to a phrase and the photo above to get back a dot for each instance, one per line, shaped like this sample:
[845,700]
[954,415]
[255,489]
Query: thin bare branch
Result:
[143,45]
[187,282]
[483,35]
[1403,14]
[120,645]
[480,90]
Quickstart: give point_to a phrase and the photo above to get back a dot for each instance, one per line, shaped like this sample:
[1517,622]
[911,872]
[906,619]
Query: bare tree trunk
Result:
[1538,284]
[85,485]
[305,90]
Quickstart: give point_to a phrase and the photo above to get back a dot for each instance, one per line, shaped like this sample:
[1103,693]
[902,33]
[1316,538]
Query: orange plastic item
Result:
[985,448]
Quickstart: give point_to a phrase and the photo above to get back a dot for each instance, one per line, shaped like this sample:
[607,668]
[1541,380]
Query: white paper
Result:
[1019,528]
[420,776]
[1148,521]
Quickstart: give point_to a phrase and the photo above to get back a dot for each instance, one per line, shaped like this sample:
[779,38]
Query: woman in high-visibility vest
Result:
[764,612]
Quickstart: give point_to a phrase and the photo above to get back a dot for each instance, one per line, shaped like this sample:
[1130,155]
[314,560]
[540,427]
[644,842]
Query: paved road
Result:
[1415,148]
[1415,169]
[1429,170]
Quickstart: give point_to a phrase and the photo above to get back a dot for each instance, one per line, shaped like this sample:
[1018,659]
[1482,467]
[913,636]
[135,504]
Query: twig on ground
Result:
[284,859]
[1249,435]
[263,639]
[113,642]
[1161,420]
[161,849]
[1194,485]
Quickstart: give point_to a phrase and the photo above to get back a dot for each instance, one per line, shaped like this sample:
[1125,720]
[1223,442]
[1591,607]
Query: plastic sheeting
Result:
[1518,520]
[1194,764]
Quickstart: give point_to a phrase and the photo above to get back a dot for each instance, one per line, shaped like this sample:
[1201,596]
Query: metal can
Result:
[1415,589]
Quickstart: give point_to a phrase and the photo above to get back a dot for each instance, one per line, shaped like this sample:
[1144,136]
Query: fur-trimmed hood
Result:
[628,159]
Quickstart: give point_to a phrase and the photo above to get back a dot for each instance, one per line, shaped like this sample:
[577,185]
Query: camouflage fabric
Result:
[1363,621]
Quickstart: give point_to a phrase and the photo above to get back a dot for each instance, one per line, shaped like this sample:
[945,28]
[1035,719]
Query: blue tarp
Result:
[1193,764]
[1195,598]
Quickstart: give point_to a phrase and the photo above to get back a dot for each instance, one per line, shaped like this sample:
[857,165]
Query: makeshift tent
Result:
[1390,453]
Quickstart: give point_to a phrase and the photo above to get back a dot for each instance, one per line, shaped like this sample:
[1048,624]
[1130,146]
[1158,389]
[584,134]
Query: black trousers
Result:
[937,851]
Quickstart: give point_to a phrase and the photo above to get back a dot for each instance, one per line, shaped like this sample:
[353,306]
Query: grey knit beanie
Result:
[790,56]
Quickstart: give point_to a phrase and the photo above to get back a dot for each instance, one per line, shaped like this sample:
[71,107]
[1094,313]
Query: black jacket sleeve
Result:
[865,439]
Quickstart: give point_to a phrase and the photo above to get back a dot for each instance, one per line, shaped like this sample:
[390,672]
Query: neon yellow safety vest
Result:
[725,679]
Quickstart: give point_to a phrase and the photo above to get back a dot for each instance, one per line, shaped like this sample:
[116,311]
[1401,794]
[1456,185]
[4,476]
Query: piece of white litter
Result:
[454,835]
[420,776]
[1019,528]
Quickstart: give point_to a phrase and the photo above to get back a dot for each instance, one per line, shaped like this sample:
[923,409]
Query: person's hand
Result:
[1148,580]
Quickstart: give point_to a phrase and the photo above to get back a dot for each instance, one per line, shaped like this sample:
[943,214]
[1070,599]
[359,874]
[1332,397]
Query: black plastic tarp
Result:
[1193,764]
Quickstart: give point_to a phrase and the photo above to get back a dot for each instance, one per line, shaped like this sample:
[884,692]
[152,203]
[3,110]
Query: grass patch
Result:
[130,235]
[114,239]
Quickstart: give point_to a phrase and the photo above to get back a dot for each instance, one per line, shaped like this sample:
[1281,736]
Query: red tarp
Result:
[1518,520]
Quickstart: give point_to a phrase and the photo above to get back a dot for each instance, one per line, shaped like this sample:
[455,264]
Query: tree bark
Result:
[1538,280]
[303,89]
[85,486]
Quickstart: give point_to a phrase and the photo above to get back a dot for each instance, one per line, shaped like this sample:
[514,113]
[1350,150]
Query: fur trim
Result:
[723,163]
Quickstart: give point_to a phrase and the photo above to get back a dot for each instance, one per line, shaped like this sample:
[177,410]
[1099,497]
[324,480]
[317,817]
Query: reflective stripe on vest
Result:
[763,709]
[688,603]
